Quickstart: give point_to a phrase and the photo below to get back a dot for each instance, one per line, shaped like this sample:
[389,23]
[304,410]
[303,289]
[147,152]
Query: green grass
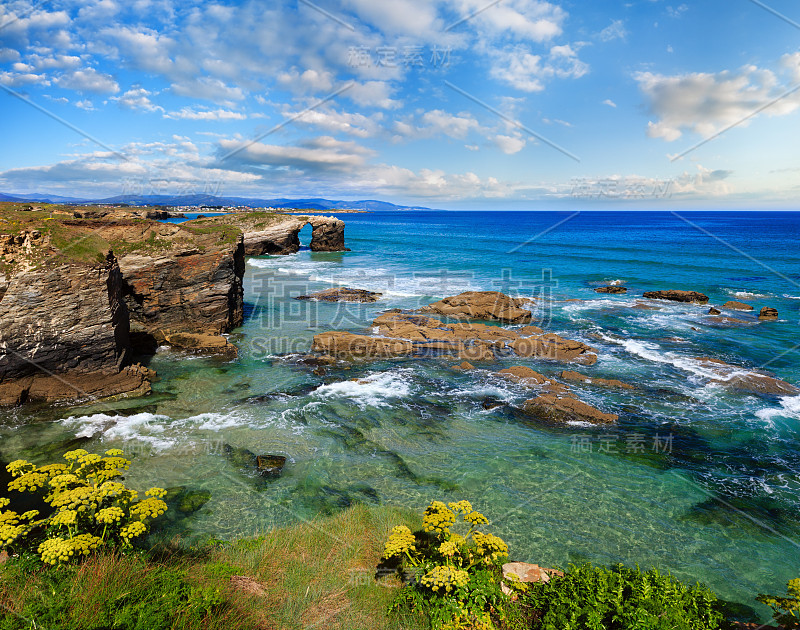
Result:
[311,575]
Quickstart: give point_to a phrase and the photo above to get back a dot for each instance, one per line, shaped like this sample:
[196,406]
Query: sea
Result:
[696,478]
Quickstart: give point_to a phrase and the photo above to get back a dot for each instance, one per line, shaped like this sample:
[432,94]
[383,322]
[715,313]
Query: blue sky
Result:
[441,103]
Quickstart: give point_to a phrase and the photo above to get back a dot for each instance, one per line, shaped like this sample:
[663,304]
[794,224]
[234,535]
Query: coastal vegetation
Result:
[83,562]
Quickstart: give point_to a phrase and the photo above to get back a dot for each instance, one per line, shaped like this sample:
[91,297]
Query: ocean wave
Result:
[370,391]
[747,295]
[790,408]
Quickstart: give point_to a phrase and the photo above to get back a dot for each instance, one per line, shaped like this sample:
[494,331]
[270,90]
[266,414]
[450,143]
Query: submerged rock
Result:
[677,295]
[553,408]
[714,311]
[768,314]
[555,348]
[342,294]
[747,380]
[590,380]
[737,306]
[465,366]
[270,465]
[611,289]
[485,305]
[526,376]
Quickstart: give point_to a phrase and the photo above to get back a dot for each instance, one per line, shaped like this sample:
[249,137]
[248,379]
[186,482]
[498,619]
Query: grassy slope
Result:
[315,575]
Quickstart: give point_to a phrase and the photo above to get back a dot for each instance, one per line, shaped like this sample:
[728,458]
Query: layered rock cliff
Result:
[75,292]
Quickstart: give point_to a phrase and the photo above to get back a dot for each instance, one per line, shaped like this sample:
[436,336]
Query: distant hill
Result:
[211,200]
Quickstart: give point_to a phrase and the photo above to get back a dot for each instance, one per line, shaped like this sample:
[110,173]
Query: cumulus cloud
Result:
[88,80]
[705,103]
[610,103]
[319,154]
[615,30]
[307,81]
[373,94]
[16,79]
[510,144]
[209,89]
[527,72]
[527,19]
[137,99]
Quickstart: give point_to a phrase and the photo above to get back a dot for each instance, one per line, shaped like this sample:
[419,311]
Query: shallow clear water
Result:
[695,478]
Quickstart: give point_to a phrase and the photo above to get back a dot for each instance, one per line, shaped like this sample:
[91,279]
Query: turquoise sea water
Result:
[695,478]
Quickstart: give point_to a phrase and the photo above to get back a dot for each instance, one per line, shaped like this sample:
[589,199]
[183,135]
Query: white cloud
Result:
[137,98]
[16,79]
[510,144]
[526,19]
[705,103]
[210,89]
[615,30]
[525,71]
[372,94]
[308,81]
[610,103]
[85,104]
[187,113]
[353,124]
[320,154]
[88,80]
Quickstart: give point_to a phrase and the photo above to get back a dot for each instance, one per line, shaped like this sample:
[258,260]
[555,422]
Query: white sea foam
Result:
[791,297]
[369,391]
[144,427]
[746,295]
[790,408]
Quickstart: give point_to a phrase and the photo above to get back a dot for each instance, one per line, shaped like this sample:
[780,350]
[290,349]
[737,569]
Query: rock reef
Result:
[678,295]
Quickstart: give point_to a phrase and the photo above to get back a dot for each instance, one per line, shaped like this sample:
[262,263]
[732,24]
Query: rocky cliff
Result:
[268,233]
[75,292]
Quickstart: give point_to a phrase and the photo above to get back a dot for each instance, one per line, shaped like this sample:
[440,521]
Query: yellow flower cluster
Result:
[400,542]
[491,546]
[110,515]
[137,528]
[9,533]
[64,517]
[72,456]
[149,508]
[4,502]
[29,481]
[62,481]
[445,578]
[449,548]
[19,467]
[437,518]
[159,493]
[476,518]
[460,507]
[57,550]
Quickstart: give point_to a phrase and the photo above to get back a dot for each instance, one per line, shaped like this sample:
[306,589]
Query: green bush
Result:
[786,610]
[619,598]
[89,506]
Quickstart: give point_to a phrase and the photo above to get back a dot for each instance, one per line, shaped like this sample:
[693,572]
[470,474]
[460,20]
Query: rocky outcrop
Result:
[611,289]
[737,306]
[342,294]
[714,311]
[327,234]
[529,377]
[526,573]
[181,280]
[483,305]
[768,314]
[267,233]
[589,380]
[396,333]
[743,379]
[64,334]
[676,295]
[560,410]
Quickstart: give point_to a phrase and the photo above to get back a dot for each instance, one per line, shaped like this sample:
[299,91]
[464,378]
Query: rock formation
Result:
[396,333]
[559,410]
[589,380]
[768,314]
[484,305]
[737,306]
[611,289]
[277,234]
[743,379]
[676,295]
[714,311]
[342,294]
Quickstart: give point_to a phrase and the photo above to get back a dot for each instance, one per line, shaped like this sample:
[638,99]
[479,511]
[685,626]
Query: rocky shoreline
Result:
[86,294]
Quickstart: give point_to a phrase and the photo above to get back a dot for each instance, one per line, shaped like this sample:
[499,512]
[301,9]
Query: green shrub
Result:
[786,610]
[619,598]
[90,506]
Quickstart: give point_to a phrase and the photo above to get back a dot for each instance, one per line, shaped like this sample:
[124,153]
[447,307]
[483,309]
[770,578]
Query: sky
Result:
[473,104]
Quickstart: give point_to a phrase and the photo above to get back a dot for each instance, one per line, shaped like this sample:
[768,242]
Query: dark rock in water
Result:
[342,294]
[484,305]
[714,311]
[252,465]
[491,403]
[320,371]
[611,289]
[768,314]
[741,378]
[192,500]
[677,295]
[316,360]
[270,465]
[737,306]
[552,408]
